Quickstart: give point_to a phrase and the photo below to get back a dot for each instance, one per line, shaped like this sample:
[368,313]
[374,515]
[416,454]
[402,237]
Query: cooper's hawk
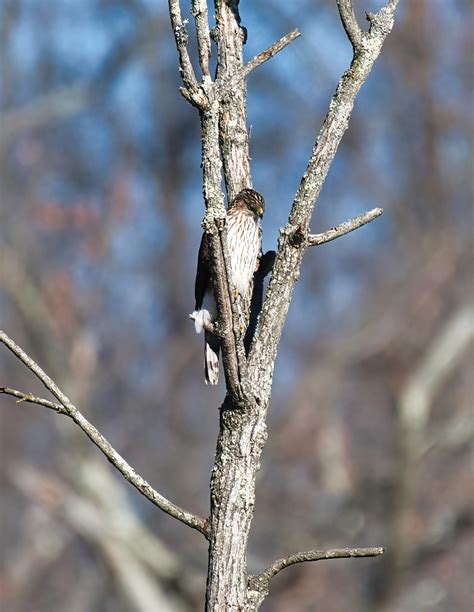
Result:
[244,242]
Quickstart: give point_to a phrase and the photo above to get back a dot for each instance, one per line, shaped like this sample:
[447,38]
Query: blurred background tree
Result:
[371,423]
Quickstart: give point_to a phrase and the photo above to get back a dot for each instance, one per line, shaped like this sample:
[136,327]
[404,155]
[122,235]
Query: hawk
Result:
[244,242]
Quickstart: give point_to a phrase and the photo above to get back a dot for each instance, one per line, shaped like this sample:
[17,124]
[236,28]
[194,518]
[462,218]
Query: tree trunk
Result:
[239,446]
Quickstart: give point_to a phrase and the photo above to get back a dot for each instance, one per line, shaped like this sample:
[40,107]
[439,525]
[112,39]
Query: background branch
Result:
[441,358]
[98,510]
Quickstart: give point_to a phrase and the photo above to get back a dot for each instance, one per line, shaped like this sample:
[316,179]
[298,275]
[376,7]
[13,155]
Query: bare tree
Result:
[221,103]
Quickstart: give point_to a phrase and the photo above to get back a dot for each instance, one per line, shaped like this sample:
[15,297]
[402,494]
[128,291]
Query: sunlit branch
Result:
[200,14]
[344,228]
[227,87]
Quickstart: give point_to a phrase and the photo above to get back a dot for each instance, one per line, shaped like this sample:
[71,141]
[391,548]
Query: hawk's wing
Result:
[201,315]
[203,272]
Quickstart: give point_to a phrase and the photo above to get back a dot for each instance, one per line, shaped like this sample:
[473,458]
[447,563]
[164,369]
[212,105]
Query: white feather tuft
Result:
[201,318]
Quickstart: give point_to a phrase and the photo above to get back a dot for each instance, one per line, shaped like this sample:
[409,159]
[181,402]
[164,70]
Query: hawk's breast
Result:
[243,242]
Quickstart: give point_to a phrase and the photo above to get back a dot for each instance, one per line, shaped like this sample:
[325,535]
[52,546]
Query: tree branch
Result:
[344,228]
[181,39]
[204,97]
[191,91]
[214,225]
[349,21]
[317,555]
[100,441]
[33,399]
[226,88]
[199,11]
[230,38]
[226,321]
[234,320]
[258,584]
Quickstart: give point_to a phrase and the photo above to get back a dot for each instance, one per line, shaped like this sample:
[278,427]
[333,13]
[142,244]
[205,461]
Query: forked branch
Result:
[33,399]
[290,253]
[181,39]
[66,407]
[191,90]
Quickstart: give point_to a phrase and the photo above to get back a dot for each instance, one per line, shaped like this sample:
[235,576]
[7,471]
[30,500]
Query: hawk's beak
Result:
[260,212]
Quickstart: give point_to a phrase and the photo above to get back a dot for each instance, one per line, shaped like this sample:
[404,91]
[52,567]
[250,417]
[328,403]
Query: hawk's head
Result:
[251,200]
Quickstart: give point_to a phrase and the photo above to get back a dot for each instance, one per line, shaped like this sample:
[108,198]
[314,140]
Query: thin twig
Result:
[103,444]
[344,228]
[349,21]
[199,11]
[227,86]
[33,399]
[315,555]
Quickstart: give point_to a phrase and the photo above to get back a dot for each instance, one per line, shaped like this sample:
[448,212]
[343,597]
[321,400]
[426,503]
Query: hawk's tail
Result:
[211,359]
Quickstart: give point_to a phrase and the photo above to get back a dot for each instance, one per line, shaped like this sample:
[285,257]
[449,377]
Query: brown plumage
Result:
[244,241]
